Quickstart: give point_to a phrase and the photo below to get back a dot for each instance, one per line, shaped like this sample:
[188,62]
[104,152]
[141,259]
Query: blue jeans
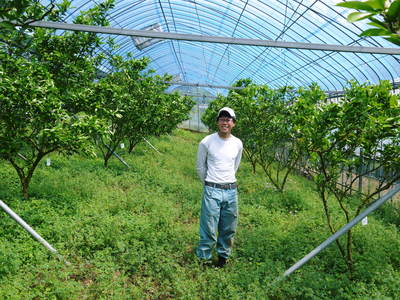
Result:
[219,213]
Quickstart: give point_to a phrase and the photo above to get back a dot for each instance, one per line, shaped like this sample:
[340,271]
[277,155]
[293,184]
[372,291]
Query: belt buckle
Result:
[228,186]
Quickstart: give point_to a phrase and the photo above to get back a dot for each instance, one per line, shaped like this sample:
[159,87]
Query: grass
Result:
[131,234]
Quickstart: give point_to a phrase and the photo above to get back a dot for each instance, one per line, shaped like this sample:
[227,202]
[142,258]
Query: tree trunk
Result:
[107,158]
[252,160]
[253,165]
[132,145]
[350,264]
[25,178]
[25,187]
[324,199]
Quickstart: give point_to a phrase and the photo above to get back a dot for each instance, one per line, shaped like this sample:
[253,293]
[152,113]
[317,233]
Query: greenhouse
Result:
[108,111]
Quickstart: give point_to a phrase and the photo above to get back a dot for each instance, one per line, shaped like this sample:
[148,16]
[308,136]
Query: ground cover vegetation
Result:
[131,234]
[329,140]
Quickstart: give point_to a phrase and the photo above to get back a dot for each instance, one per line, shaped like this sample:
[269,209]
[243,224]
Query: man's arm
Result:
[201,163]
[238,158]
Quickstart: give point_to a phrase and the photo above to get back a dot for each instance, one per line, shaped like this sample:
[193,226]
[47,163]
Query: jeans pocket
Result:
[208,191]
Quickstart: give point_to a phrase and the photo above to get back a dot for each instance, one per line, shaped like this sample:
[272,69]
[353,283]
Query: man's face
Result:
[225,124]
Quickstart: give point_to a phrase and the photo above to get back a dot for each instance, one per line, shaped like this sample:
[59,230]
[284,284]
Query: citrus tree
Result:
[276,143]
[15,16]
[161,112]
[138,104]
[42,106]
[33,122]
[174,110]
[245,103]
[339,137]
[72,58]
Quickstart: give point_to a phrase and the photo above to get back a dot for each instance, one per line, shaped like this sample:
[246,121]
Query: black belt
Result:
[225,186]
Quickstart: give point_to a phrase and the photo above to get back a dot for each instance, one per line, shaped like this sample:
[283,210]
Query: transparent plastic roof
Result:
[307,21]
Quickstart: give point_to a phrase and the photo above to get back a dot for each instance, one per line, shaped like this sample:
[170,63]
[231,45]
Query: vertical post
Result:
[190,119]
[341,177]
[369,178]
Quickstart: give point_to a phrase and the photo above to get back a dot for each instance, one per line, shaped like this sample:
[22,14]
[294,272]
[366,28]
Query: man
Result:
[218,159]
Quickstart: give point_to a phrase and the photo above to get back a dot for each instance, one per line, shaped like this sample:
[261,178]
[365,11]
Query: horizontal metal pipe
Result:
[227,87]
[215,39]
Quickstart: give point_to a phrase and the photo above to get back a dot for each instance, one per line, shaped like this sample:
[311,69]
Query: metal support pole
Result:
[23,157]
[117,156]
[155,149]
[21,222]
[215,39]
[360,171]
[342,231]
[198,117]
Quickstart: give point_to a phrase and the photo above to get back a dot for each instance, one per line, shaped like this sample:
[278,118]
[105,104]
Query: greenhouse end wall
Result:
[194,122]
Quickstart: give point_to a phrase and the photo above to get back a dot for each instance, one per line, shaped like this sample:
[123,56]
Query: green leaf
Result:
[375,20]
[394,10]
[375,32]
[357,16]
[358,5]
[7,25]
[376,4]
[394,40]
[379,25]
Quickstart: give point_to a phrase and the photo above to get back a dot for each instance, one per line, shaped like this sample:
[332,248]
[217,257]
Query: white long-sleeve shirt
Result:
[218,159]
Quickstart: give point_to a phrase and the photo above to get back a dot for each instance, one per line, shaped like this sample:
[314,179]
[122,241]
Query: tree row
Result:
[52,98]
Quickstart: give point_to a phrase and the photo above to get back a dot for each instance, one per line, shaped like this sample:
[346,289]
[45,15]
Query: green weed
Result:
[131,234]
